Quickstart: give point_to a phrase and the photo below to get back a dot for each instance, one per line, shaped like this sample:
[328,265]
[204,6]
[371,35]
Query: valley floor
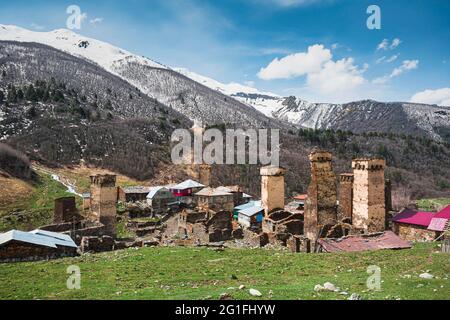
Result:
[202,273]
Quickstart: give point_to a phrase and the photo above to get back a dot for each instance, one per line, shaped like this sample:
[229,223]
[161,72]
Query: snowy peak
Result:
[99,52]
[230,89]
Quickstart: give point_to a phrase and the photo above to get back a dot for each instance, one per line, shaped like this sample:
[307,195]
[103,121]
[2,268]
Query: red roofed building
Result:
[413,225]
[440,221]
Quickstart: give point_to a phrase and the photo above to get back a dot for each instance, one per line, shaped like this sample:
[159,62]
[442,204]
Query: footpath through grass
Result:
[201,273]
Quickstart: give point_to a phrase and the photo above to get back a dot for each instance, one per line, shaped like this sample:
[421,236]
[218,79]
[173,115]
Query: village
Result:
[350,212]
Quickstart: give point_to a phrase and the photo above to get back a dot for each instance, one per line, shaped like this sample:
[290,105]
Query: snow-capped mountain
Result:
[191,98]
[99,52]
[265,102]
[208,101]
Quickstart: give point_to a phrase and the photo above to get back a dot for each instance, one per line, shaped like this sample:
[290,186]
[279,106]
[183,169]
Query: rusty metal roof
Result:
[378,241]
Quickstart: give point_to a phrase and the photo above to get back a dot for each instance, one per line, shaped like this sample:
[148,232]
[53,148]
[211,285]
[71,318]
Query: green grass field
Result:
[433,204]
[35,207]
[201,273]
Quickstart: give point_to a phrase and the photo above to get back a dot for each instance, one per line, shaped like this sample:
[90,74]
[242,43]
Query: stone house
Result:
[184,191]
[159,198]
[133,194]
[251,217]
[35,245]
[215,199]
[413,225]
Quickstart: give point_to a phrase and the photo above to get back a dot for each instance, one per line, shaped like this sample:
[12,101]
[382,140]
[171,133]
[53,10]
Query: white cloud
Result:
[297,64]
[392,58]
[395,43]
[325,78]
[336,77]
[96,21]
[440,97]
[405,66]
[380,60]
[384,45]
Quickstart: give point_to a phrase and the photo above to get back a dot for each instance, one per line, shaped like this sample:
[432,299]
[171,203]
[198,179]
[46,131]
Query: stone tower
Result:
[103,201]
[369,203]
[345,197]
[204,174]
[272,188]
[320,207]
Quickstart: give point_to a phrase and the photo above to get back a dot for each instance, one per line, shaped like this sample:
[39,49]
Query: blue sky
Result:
[320,50]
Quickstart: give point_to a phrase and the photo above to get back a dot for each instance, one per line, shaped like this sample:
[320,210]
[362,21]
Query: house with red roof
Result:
[415,225]
[412,225]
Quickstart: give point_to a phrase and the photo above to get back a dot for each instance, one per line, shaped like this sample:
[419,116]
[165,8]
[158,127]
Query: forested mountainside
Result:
[61,110]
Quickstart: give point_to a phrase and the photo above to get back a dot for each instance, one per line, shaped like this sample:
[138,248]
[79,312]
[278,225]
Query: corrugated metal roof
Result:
[248,205]
[438,224]
[413,217]
[385,240]
[444,213]
[38,237]
[188,184]
[249,212]
[155,190]
[213,192]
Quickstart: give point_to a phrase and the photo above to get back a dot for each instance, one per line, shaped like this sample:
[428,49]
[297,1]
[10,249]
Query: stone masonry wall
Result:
[369,211]
[345,197]
[103,201]
[272,188]
[320,207]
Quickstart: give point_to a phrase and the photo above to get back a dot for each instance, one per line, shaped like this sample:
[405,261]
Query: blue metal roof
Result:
[248,205]
[249,212]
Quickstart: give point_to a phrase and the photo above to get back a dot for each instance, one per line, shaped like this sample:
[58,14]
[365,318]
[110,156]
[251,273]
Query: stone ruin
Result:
[103,202]
[320,207]
[200,227]
[272,188]
[204,174]
[345,197]
[65,210]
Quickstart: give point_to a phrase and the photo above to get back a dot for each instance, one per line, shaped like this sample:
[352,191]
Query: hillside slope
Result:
[190,98]
[62,110]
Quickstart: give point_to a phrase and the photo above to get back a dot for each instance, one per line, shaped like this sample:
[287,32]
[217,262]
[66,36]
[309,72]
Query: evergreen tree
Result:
[12,94]
[20,94]
[31,93]
[2,96]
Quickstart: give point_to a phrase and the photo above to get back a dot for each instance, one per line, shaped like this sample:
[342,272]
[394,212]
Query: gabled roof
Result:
[155,190]
[249,212]
[213,192]
[188,184]
[444,213]
[248,205]
[38,237]
[413,217]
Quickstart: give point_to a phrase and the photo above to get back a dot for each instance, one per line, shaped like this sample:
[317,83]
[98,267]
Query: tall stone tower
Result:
[320,207]
[204,174]
[369,203]
[103,201]
[272,188]
[345,197]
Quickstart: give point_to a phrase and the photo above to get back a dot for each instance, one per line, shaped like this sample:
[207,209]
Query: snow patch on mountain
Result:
[99,52]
